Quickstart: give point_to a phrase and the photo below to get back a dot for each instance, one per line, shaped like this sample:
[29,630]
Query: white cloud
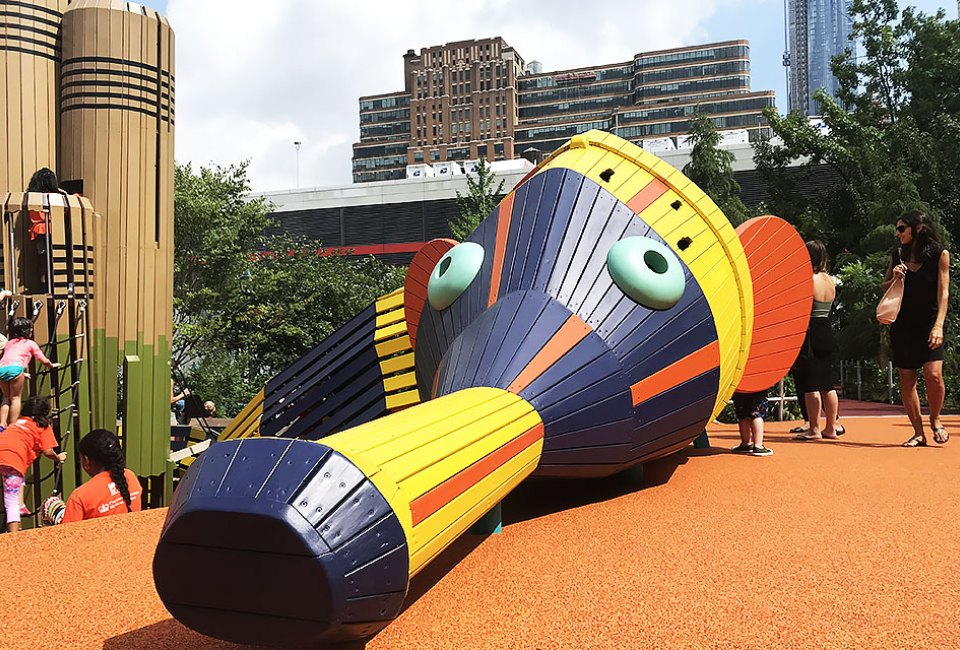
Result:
[254,76]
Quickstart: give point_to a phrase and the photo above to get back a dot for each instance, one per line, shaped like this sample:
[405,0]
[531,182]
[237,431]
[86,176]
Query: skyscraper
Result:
[817,31]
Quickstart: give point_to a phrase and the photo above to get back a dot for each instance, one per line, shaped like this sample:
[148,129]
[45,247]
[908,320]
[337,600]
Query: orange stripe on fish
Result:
[694,364]
[504,213]
[645,197]
[430,502]
[570,333]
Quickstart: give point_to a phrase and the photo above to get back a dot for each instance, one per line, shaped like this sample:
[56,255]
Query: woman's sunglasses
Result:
[900,229]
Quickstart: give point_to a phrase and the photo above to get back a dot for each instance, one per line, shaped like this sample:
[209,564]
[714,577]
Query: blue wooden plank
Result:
[362,321]
[595,280]
[553,213]
[564,436]
[335,386]
[686,395]
[667,342]
[590,203]
[588,455]
[541,196]
[524,199]
[535,333]
[366,389]
[594,231]
[574,195]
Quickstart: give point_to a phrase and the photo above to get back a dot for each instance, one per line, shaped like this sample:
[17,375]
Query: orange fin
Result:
[415,286]
[782,298]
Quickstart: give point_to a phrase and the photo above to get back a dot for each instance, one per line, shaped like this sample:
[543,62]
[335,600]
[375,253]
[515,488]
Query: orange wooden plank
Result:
[645,197]
[694,364]
[432,501]
[504,214]
[570,333]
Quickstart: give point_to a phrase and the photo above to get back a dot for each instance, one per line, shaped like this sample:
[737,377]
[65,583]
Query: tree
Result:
[893,142]
[480,201]
[248,304]
[711,168]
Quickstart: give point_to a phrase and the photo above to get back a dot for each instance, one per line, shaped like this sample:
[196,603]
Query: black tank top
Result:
[919,303]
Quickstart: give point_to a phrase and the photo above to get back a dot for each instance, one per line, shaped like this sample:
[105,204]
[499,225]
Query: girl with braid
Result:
[112,489]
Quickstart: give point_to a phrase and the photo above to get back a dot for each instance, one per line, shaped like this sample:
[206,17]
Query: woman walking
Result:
[916,336]
[816,361]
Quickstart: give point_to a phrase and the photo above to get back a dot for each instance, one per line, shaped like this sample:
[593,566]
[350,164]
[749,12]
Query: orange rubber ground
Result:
[848,544]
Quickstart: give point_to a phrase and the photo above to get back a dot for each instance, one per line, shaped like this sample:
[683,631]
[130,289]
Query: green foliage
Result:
[480,201]
[711,168]
[894,143]
[247,304]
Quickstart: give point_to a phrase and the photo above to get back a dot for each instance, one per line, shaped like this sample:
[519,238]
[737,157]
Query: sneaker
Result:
[742,449]
[24,510]
[761,451]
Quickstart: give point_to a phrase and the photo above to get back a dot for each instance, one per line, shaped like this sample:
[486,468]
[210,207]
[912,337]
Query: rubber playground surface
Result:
[846,544]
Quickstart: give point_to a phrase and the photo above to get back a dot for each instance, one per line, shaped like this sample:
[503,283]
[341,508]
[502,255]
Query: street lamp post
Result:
[297,145]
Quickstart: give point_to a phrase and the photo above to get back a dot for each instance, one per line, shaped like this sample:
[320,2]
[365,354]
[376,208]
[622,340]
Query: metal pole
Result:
[780,408]
[890,381]
[859,387]
[297,145]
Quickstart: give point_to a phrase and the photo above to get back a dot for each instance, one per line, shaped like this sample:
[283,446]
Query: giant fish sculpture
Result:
[597,319]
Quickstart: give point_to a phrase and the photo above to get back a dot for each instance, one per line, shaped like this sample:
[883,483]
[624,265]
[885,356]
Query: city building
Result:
[393,219]
[471,99]
[817,31]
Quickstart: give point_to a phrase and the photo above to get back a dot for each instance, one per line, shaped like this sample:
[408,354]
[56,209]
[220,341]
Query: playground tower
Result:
[87,89]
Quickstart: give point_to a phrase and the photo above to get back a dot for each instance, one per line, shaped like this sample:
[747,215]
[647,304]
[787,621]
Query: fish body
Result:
[597,319]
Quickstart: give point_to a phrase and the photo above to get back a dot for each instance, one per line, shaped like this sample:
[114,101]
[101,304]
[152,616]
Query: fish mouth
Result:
[276,541]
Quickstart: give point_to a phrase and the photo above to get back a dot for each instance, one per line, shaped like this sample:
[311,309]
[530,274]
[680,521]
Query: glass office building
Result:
[818,30]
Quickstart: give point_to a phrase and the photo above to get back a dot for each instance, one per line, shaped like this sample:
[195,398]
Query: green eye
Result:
[647,271]
[453,274]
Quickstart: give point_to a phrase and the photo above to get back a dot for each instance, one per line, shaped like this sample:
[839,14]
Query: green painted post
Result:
[132,426]
[702,441]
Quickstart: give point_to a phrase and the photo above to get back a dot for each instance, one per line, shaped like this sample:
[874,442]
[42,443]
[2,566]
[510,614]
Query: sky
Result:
[253,77]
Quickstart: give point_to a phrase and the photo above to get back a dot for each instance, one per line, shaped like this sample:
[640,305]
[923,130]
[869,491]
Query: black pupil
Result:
[445,264]
[655,262]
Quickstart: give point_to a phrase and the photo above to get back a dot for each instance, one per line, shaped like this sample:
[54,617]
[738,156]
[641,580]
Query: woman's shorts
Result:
[8,373]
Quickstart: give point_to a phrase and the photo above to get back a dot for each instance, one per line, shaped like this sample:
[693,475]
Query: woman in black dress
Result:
[916,336]
[815,362]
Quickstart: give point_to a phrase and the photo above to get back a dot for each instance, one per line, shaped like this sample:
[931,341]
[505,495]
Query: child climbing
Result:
[43,180]
[20,445]
[112,489]
[18,352]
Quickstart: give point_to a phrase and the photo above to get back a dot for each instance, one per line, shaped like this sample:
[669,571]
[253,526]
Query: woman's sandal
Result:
[806,437]
[798,430]
[916,441]
[940,435]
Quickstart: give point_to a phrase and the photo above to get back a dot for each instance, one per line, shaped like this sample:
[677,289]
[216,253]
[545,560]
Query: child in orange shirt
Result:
[112,489]
[21,444]
[18,352]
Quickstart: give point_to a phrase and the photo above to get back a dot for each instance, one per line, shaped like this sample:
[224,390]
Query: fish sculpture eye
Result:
[647,271]
[453,274]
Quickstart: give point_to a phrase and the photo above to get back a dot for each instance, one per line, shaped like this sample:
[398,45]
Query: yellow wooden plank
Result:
[405,457]
[398,363]
[406,380]
[442,528]
[393,346]
[371,435]
[401,400]
[389,318]
[456,457]
[390,301]
[390,331]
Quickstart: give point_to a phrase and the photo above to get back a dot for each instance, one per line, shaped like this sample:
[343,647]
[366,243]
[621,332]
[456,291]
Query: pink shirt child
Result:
[19,352]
